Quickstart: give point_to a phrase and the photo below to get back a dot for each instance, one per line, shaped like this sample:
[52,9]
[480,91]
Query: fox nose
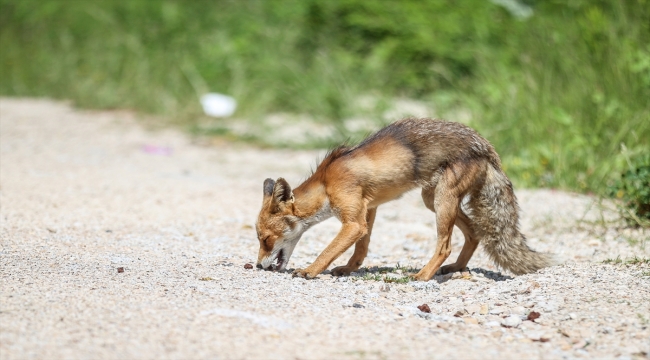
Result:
[259,266]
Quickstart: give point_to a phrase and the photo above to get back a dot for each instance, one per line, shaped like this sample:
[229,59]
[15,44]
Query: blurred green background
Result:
[561,88]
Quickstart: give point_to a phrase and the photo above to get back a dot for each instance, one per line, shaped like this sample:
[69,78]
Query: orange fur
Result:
[449,161]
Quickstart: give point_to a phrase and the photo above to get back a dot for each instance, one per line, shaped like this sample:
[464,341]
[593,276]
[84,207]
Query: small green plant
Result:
[633,188]
[637,261]
[381,274]
[631,261]
[613,261]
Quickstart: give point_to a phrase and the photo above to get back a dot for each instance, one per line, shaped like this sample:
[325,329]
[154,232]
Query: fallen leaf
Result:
[424,308]
[248,266]
[120,269]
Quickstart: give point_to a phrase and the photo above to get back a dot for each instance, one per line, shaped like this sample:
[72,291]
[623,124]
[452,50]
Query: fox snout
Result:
[274,261]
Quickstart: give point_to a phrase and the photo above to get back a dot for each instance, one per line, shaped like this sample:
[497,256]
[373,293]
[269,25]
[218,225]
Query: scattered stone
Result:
[473,309]
[484,309]
[493,323]
[580,344]
[569,333]
[358,306]
[545,338]
[205,278]
[120,269]
[518,310]
[427,286]
[534,335]
[424,308]
[384,288]
[533,315]
[460,313]
[511,321]
[470,320]
[496,310]
[248,266]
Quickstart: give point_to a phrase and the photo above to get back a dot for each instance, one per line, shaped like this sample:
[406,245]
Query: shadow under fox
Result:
[448,161]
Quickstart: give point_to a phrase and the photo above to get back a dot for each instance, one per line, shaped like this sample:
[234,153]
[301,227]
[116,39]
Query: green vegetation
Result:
[633,188]
[563,94]
[631,261]
[397,274]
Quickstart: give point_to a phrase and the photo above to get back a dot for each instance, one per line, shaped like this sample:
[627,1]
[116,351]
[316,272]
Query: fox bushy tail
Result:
[495,216]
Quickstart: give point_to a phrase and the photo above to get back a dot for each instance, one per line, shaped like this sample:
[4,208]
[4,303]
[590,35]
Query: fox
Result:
[461,179]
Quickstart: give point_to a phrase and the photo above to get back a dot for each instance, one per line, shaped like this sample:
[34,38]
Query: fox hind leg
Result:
[360,249]
[445,200]
[470,245]
[463,223]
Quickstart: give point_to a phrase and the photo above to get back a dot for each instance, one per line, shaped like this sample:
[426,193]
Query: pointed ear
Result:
[268,187]
[282,191]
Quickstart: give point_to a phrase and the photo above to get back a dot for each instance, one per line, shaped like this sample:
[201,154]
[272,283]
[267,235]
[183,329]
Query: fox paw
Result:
[342,270]
[302,273]
[419,277]
[451,268]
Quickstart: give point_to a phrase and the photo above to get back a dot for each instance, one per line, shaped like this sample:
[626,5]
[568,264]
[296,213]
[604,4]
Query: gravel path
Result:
[84,195]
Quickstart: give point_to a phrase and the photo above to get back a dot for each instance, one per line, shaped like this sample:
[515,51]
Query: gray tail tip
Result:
[545,260]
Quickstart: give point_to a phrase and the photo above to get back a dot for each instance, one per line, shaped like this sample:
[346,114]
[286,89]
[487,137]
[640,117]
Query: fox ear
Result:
[282,191]
[268,187]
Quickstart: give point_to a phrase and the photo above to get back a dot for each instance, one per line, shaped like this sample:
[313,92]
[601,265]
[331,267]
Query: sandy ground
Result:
[83,194]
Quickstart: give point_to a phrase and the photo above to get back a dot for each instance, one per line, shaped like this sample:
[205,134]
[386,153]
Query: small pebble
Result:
[120,269]
[511,321]
[484,309]
[518,310]
[533,315]
[497,310]
[248,266]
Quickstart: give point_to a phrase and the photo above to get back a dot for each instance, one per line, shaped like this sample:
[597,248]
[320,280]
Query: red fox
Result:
[449,161]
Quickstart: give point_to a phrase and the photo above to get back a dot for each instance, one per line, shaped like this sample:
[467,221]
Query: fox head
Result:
[278,229]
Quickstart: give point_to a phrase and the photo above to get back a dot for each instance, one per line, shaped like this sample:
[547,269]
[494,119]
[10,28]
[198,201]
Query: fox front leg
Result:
[360,249]
[349,234]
